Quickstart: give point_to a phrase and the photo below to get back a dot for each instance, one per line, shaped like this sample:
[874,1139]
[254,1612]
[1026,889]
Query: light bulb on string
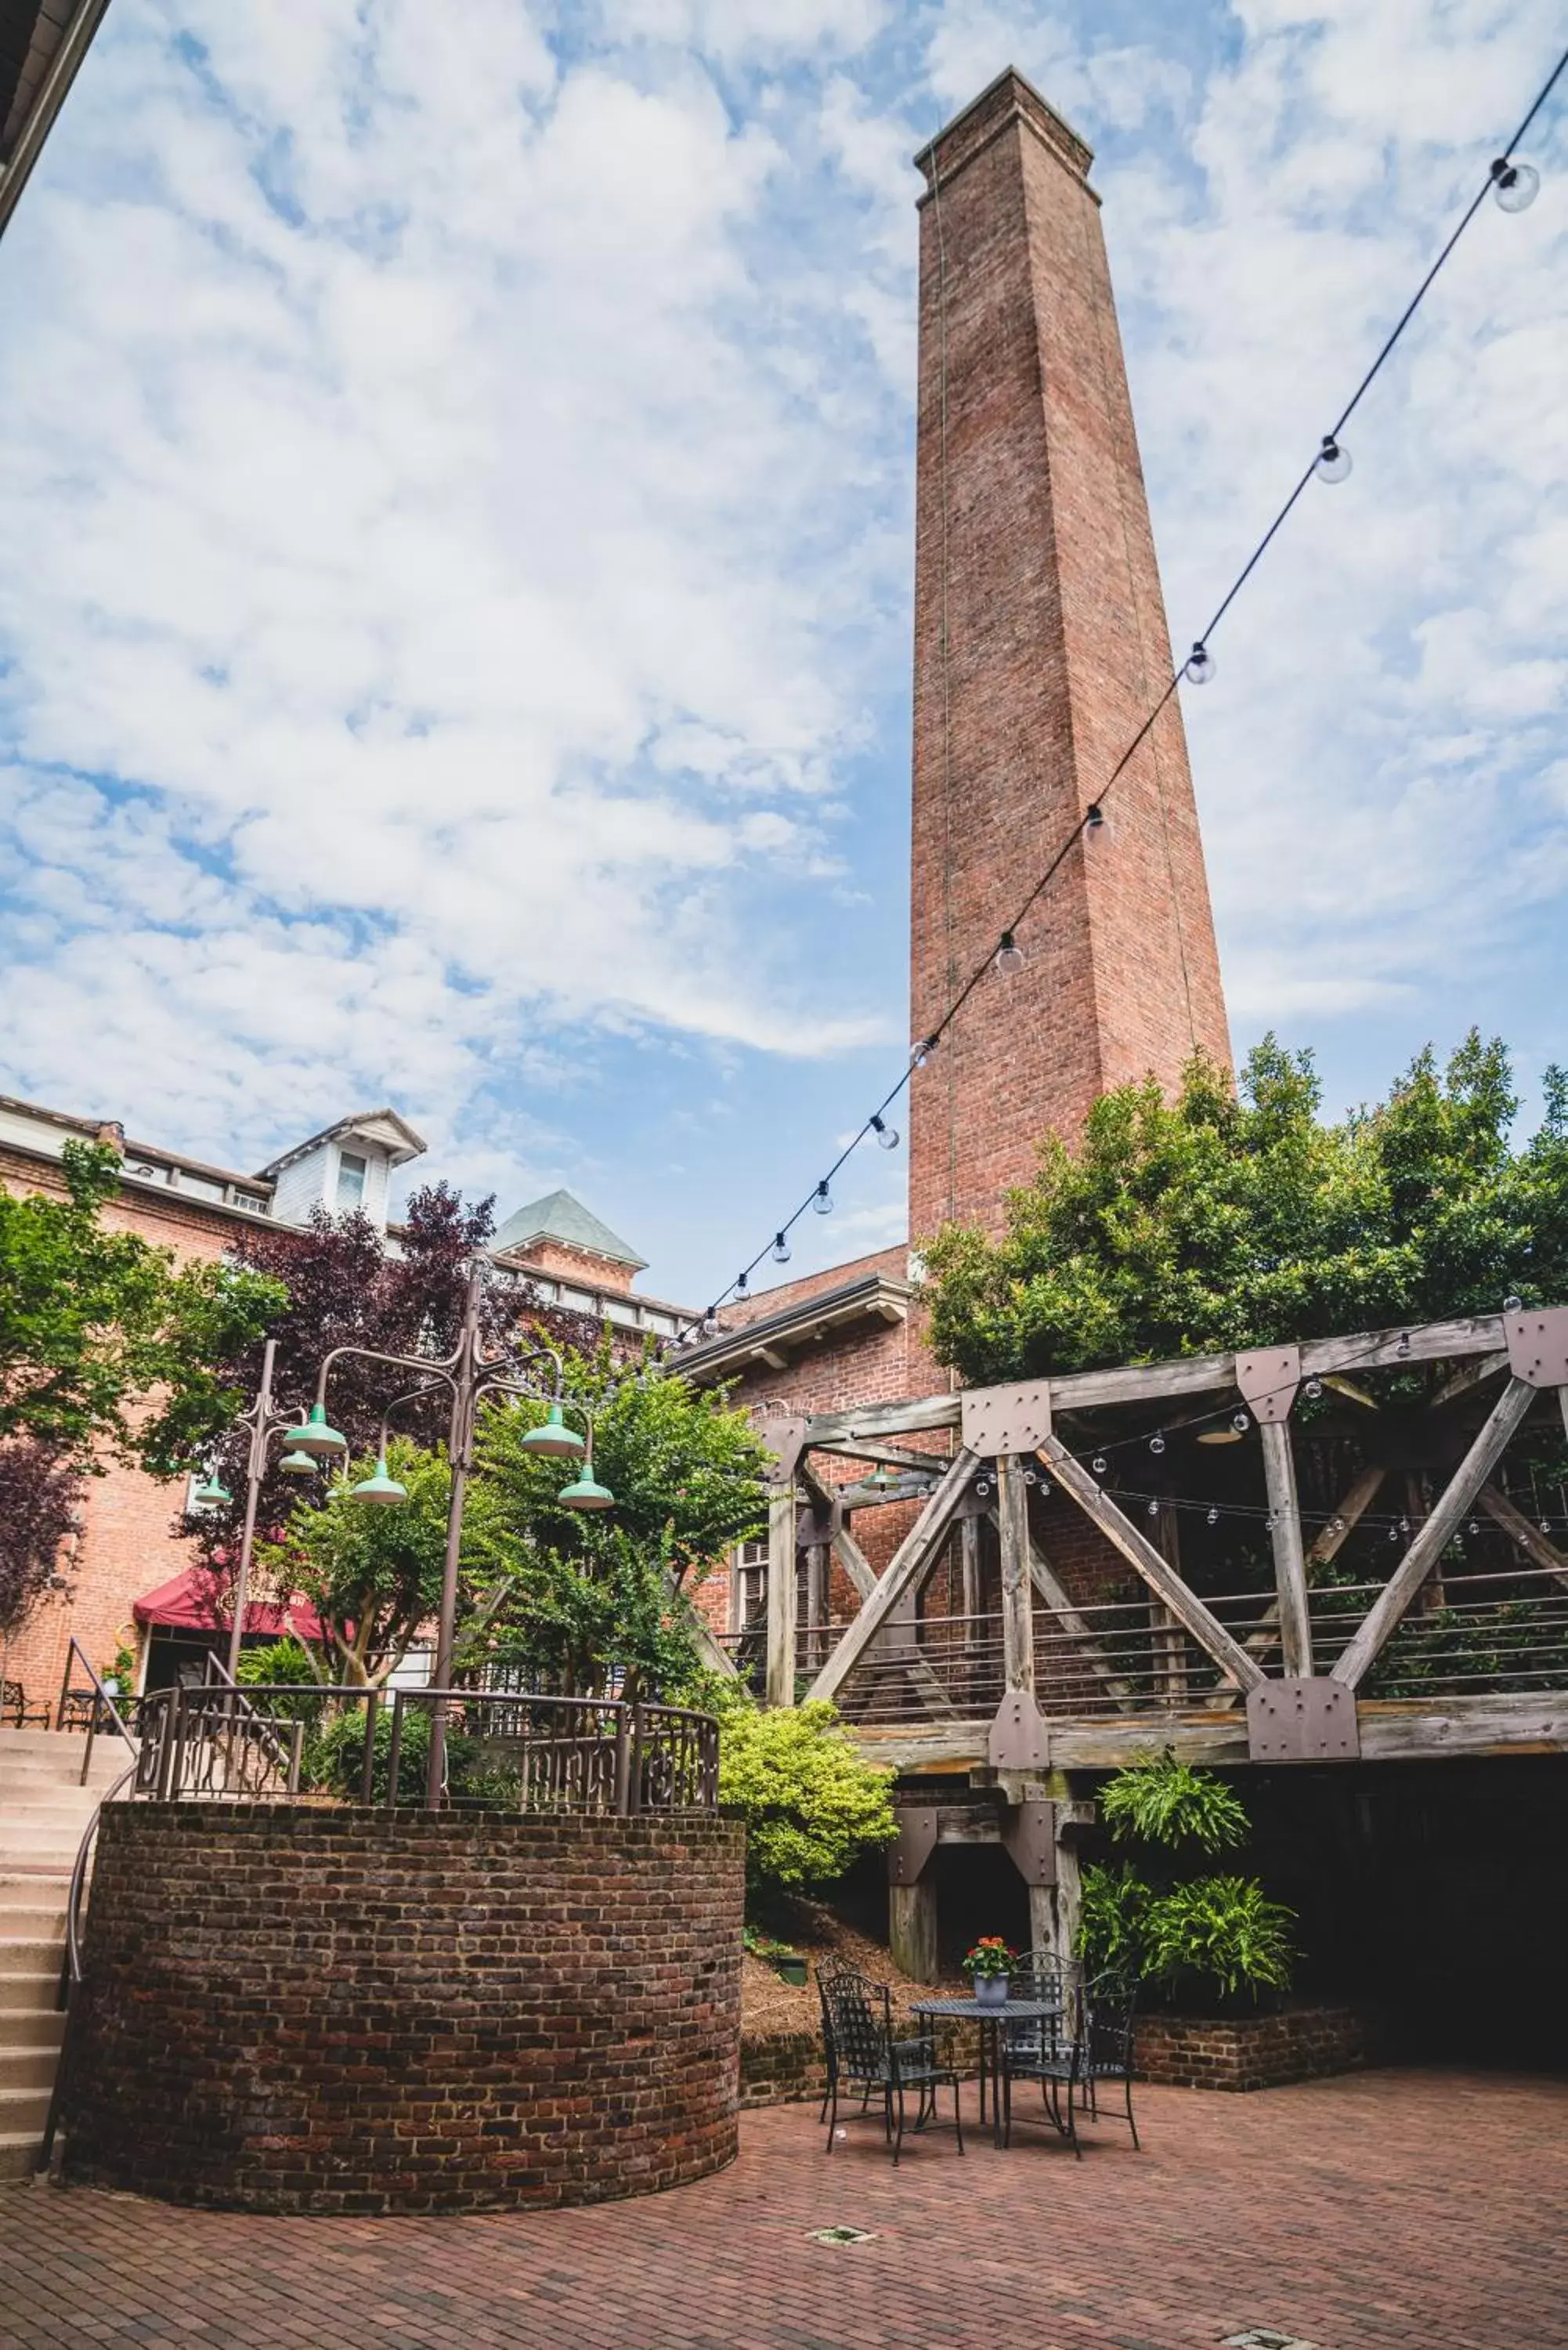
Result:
[1514,183]
[1044,1491]
[1199,667]
[1546,1526]
[1030,1477]
[1312,1389]
[709,1324]
[983,1486]
[1153,1507]
[921,1050]
[1513,1305]
[1473,1527]
[1404,1525]
[740,1285]
[1010,956]
[1098,1464]
[822,1199]
[1404,1347]
[1213,1516]
[780,1251]
[1094,819]
[1393,1533]
[886,1136]
[1332,462]
[1240,1423]
[1269,1523]
[1156,1443]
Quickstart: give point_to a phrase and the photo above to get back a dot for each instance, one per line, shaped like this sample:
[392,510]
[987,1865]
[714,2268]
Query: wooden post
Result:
[817,1604]
[1056,1910]
[1290,1559]
[1017,1584]
[1170,1655]
[912,1927]
[782,1604]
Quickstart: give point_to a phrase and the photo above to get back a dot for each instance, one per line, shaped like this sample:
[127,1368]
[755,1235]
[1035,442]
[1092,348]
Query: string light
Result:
[1156,1443]
[1099,1464]
[1240,1423]
[1514,183]
[1513,1305]
[1153,1507]
[1404,1347]
[1213,1516]
[1312,1389]
[780,1251]
[1010,957]
[888,1136]
[1333,462]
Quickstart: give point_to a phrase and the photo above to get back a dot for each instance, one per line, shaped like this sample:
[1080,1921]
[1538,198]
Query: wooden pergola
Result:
[1018,1695]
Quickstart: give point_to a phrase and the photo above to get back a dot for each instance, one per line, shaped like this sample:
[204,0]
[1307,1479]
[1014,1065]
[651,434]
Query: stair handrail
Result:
[102,1697]
[271,1744]
[71,1966]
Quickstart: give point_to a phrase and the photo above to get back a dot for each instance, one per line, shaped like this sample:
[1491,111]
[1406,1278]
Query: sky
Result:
[456,473]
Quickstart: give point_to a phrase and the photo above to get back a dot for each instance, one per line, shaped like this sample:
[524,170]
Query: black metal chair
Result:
[15,1710]
[864,2059]
[1101,2049]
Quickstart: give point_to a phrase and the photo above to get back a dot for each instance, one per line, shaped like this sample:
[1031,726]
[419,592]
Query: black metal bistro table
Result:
[990,2019]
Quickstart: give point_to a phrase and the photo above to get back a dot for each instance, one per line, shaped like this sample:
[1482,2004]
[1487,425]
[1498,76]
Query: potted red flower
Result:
[989,1967]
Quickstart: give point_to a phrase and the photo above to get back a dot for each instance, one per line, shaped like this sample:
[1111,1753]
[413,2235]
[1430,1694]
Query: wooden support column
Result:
[1289,1558]
[969,1575]
[1171,1674]
[1017,1584]
[913,1556]
[817,1607]
[782,1595]
[912,1927]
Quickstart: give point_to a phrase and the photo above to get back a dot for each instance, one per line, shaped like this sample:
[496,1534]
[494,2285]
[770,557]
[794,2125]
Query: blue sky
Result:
[460,460]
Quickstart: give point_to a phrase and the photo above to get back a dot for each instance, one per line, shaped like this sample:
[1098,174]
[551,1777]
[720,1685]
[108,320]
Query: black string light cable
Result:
[1514,183]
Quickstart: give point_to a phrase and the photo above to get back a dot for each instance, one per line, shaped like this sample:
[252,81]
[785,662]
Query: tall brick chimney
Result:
[1040,644]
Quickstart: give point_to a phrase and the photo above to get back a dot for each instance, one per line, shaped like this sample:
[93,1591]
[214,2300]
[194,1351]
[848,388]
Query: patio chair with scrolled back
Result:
[864,2059]
[16,1709]
[1101,2049]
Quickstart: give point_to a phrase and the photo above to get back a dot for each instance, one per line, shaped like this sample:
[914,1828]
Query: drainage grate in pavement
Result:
[849,2236]
[1265,2337]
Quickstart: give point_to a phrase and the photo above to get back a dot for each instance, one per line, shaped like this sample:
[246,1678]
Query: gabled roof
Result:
[561,1218]
[394,1134]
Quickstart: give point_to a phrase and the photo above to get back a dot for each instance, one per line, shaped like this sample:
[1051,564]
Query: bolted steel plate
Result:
[1006,1420]
[1301,1721]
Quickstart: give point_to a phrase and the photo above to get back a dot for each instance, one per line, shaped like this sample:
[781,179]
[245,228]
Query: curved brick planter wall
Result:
[293,2009]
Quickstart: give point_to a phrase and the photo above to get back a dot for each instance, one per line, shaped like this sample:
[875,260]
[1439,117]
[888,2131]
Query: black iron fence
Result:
[502,1751]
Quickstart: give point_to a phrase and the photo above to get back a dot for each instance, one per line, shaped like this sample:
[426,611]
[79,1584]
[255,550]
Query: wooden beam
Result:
[1474,1375]
[1055,1595]
[1388,1610]
[882,1420]
[1519,1529]
[1017,1589]
[1211,1634]
[782,1608]
[1290,1561]
[925,1464]
[914,1554]
[1265,1636]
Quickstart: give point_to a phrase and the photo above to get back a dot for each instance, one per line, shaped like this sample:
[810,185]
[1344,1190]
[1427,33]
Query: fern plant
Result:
[1222,1930]
[1166,1803]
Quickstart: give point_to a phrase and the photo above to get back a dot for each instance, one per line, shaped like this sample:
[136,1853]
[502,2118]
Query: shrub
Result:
[1166,1803]
[1222,1930]
[1111,1939]
[811,1805]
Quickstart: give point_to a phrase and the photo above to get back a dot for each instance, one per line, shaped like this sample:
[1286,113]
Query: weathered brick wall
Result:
[301,2010]
[782,2068]
[1252,2052]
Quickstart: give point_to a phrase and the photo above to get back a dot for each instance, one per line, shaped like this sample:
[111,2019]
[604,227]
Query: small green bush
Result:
[811,1805]
[1166,1803]
[1111,1936]
[1222,1930]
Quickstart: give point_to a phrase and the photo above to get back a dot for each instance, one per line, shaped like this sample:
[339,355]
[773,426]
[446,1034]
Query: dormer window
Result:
[351,1166]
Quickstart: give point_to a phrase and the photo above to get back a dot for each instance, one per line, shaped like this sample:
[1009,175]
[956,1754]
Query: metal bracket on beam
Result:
[917,1842]
[1302,1722]
[1018,1739]
[1269,1380]
[1029,1832]
[1538,1345]
[783,1433]
[812,1527]
[1006,1420]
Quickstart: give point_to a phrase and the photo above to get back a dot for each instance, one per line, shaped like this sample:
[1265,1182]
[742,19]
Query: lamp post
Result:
[263,1423]
[470,1372]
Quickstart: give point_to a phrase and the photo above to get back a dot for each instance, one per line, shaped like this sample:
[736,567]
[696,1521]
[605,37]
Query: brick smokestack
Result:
[1040,645]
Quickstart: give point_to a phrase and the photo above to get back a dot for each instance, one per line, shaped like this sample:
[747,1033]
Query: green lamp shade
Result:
[211,1493]
[554,1440]
[379,1488]
[298,1464]
[316,1438]
[585,1492]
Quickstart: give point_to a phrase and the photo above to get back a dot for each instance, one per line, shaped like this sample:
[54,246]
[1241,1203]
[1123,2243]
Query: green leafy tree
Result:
[576,1598]
[1222,1220]
[810,1805]
[372,1572]
[109,1351]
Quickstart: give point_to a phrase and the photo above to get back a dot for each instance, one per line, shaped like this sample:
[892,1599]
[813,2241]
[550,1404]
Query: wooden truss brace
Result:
[926,1683]
[1054,1592]
[1235,1665]
[1519,1529]
[918,1551]
[1359,1498]
[1388,1610]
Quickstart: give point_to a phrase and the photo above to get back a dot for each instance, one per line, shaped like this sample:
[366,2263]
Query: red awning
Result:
[197,1600]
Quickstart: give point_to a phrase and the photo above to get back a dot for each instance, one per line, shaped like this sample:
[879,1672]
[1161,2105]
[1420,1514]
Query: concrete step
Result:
[40,2027]
[23,1993]
[18,2155]
[28,2067]
[25,2110]
[24,1927]
[31,1954]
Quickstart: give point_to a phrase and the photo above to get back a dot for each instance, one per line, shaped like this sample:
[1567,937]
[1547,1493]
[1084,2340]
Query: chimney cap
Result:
[1009,99]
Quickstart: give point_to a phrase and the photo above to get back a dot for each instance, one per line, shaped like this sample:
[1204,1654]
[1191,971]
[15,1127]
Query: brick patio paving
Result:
[1395,2208]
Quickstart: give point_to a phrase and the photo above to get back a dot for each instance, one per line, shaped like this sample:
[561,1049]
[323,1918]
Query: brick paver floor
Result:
[1385,2208]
